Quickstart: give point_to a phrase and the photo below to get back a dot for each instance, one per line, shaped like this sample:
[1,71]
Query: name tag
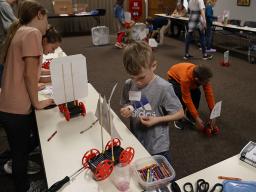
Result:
[134,95]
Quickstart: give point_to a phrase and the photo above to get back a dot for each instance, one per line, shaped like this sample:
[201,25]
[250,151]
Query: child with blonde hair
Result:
[148,100]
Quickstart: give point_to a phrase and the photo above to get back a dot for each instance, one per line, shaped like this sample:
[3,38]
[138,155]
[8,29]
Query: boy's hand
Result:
[41,86]
[199,123]
[149,121]
[212,123]
[126,112]
[44,103]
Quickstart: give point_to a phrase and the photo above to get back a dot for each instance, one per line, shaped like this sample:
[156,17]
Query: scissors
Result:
[218,187]
[175,187]
[201,186]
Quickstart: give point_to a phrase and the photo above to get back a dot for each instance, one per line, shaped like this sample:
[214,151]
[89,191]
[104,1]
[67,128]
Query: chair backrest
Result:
[250,24]
[158,22]
[234,22]
[101,12]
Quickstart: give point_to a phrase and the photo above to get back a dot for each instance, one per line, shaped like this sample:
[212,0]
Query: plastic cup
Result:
[121,177]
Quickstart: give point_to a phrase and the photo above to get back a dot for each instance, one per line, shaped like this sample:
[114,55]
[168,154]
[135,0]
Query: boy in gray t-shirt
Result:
[148,100]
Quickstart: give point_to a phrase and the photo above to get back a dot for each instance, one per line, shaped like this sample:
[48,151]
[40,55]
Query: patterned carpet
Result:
[191,151]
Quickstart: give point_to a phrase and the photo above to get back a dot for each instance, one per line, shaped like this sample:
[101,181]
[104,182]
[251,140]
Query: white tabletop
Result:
[236,27]
[231,167]
[215,23]
[63,154]
[172,17]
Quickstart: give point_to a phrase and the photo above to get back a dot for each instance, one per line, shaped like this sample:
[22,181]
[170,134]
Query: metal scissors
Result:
[217,187]
[201,186]
[175,187]
[188,187]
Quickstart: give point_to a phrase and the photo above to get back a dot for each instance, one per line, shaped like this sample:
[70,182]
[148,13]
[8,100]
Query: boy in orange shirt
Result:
[186,79]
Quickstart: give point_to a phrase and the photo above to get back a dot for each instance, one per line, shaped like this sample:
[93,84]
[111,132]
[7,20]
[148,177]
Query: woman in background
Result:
[180,11]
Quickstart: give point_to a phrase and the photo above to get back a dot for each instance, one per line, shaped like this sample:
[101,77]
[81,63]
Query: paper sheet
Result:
[216,110]
[69,78]
[106,117]
[47,91]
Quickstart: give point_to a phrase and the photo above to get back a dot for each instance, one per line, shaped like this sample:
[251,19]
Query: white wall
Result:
[243,13]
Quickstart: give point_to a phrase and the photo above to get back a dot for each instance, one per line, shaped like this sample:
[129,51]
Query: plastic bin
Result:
[100,35]
[139,32]
[148,179]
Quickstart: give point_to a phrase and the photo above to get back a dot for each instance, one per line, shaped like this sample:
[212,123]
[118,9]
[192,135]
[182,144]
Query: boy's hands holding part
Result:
[126,111]
[149,121]
[199,123]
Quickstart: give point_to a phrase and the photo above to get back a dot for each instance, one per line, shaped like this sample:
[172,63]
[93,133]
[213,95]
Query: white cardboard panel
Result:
[69,78]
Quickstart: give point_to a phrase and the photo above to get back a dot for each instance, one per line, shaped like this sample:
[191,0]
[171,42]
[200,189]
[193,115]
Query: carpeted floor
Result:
[191,151]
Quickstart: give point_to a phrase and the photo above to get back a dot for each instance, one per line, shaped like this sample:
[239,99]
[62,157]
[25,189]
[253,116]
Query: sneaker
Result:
[210,50]
[207,57]
[32,168]
[187,56]
[190,120]
[36,151]
[118,45]
[37,186]
[123,45]
[179,124]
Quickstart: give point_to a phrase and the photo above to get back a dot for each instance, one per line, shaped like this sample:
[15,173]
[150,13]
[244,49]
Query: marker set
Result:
[154,172]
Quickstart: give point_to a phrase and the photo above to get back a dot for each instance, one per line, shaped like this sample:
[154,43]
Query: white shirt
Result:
[196,5]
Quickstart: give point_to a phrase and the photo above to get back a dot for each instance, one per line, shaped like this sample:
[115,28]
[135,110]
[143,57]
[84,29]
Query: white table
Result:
[62,156]
[235,27]
[232,167]
[172,17]
[215,23]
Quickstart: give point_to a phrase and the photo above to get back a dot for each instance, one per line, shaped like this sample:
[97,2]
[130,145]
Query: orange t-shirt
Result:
[14,97]
[183,74]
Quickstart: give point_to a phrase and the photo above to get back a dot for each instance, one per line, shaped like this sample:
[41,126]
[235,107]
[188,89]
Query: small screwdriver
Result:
[56,186]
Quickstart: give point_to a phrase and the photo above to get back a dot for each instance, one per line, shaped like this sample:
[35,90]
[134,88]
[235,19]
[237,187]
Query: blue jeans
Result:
[189,39]
[166,154]
[209,37]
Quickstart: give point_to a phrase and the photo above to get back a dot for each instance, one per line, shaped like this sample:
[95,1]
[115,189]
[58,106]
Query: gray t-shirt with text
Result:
[157,99]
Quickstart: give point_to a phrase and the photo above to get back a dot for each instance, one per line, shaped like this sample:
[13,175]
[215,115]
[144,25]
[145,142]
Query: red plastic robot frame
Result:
[71,109]
[102,164]
[210,131]
[46,64]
